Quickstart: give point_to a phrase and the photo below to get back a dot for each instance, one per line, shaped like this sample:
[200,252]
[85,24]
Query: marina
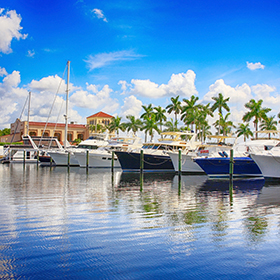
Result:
[73,223]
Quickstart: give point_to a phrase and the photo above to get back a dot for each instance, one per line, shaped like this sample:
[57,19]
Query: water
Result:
[56,224]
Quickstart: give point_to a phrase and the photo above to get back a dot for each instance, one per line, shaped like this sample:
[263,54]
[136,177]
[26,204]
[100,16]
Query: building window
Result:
[70,137]
[58,136]
[81,136]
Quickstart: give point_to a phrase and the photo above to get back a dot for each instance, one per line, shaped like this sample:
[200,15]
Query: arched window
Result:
[58,136]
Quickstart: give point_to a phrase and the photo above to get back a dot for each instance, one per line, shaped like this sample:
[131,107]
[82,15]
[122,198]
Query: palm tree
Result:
[244,129]
[150,125]
[256,112]
[97,128]
[220,104]
[133,124]
[190,109]
[149,110]
[171,125]
[269,124]
[116,125]
[224,124]
[175,107]
[160,115]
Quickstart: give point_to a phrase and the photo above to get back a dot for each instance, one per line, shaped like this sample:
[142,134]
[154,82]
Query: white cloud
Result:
[99,14]
[3,72]
[124,86]
[9,29]
[30,53]
[237,95]
[179,84]
[86,99]
[103,59]
[132,106]
[50,84]
[254,66]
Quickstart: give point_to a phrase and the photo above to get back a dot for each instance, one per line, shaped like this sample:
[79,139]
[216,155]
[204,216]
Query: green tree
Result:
[268,124]
[116,125]
[244,129]
[97,128]
[5,131]
[256,112]
[171,125]
[190,111]
[150,125]
[220,104]
[134,124]
[224,124]
[160,115]
[149,110]
[175,107]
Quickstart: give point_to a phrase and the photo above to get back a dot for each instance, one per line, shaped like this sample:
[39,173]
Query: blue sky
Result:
[125,54]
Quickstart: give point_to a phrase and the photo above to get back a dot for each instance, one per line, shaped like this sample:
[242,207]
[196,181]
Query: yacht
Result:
[102,157]
[66,157]
[217,164]
[155,155]
[268,161]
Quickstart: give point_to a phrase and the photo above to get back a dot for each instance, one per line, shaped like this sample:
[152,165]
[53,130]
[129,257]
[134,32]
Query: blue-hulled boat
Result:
[155,155]
[219,166]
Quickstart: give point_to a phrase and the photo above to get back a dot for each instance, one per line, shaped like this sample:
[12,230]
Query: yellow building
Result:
[74,131]
[99,118]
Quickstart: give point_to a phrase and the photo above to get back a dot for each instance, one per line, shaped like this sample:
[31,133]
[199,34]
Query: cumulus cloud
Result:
[254,66]
[50,84]
[9,29]
[99,14]
[179,84]
[238,95]
[3,72]
[132,106]
[104,59]
[92,98]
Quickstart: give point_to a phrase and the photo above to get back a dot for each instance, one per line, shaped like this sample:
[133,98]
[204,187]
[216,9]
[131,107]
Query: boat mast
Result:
[29,101]
[67,96]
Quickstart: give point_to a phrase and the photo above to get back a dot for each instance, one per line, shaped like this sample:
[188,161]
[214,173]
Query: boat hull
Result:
[61,158]
[187,164]
[219,167]
[130,162]
[96,160]
[268,164]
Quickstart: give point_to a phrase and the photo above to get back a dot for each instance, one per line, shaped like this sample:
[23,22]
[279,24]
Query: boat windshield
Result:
[90,147]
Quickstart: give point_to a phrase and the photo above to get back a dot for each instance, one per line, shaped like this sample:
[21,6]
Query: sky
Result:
[125,54]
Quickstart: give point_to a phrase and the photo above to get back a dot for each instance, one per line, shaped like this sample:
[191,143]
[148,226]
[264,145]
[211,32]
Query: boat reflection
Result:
[235,184]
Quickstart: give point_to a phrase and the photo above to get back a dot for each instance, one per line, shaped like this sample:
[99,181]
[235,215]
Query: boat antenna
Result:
[67,97]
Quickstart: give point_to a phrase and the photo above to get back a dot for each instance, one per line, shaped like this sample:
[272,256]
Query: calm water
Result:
[57,224]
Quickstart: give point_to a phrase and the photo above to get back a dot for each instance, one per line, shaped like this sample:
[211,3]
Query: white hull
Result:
[96,160]
[188,165]
[269,164]
[61,158]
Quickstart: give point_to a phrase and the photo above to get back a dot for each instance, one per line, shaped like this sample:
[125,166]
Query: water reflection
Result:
[65,218]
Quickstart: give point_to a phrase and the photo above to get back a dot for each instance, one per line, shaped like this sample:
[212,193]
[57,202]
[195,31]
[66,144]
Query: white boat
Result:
[155,155]
[102,157]
[30,150]
[214,146]
[65,157]
[217,164]
[268,161]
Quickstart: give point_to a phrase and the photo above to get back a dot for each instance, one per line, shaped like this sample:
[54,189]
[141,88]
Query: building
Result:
[74,131]
[99,118]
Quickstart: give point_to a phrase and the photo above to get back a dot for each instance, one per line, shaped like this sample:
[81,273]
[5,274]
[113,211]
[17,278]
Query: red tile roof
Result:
[101,115]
